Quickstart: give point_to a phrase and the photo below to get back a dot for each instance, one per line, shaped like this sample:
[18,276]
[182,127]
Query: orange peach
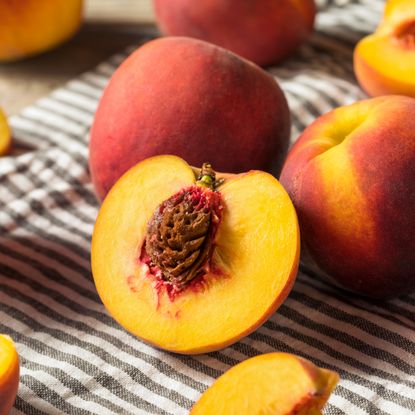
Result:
[5,134]
[385,61]
[351,176]
[29,27]
[9,374]
[270,384]
[265,32]
[189,261]
[186,97]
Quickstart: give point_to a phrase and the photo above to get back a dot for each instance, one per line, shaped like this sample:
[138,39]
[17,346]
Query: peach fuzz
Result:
[5,134]
[9,374]
[186,97]
[29,27]
[269,384]
[385,61]
[265,32]
[351,178]
[247,274]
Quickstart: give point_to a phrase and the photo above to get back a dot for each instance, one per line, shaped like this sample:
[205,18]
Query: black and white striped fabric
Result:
[76,360]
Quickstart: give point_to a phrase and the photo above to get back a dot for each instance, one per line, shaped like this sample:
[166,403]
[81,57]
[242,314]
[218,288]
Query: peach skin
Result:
[269,384]
[351,176]
[191,261]
[5,134]
[29,27]
[9,374]
[384,62]
[265,32]
[186,97]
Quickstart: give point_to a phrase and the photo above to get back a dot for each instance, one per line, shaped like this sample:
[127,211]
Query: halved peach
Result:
[191,262]
[9,374]
[385,61]
[5,135]
[270,384]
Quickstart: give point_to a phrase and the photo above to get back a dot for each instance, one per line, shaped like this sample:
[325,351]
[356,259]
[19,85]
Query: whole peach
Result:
[351,176]
[29,27]
[265,31]
[193,99]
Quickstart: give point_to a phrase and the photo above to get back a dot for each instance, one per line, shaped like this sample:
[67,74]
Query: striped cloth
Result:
[76,360]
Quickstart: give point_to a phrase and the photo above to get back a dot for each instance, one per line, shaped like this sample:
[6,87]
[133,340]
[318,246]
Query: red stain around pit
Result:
[132,283]
[199,284]
[201,199]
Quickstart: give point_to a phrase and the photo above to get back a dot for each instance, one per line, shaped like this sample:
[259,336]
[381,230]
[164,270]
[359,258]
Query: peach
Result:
[5,134]
[385,61]
[189,261]
[29,27]
[351,176]
[265,32]
[270,384]
[9,374]
[186,97]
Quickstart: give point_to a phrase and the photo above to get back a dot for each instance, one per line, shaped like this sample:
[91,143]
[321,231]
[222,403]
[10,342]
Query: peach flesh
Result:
[384,61]
[5,134]
[270,384]
[250,255]
[406,35]
[9,374]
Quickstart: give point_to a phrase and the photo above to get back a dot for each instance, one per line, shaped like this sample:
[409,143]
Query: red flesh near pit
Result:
[198,199]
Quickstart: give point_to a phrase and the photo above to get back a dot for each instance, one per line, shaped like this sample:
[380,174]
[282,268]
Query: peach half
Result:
[9,374]
[29,27]
[5,134]
[269,384]
[191,261]
[385,61]
[351,177]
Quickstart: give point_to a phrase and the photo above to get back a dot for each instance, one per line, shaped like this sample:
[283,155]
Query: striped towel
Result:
[76,360]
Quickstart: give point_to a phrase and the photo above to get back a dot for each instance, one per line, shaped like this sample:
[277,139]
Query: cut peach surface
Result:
[249,268]
[270,384]
[385,61]
[9,374]
[5,135]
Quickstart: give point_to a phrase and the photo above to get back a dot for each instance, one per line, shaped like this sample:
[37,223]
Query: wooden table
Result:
[109,26]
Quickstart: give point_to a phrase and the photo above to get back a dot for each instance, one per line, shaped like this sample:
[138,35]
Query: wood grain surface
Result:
[109,26]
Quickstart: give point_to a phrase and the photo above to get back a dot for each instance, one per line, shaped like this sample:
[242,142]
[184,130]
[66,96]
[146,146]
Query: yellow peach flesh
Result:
[9,374]
[257,248]
[5,136]
[385,60]
[270,384]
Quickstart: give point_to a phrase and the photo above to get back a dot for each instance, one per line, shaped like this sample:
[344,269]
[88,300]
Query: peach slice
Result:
[9,374]
[188,266]
[270,384]
[385,61]
[5,135]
